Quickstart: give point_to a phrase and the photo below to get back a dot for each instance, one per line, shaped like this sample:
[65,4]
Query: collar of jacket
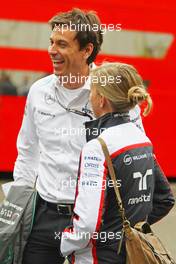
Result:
[95,127]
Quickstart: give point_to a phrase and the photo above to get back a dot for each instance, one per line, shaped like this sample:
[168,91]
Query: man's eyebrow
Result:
[62,41]
[59,40]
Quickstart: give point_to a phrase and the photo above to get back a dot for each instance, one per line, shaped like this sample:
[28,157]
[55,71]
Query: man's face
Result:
[65,53]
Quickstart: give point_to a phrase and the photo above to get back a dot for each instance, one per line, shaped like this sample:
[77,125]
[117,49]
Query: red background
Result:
[157,16]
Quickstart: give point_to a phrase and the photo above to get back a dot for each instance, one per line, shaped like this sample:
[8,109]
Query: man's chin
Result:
[57,73]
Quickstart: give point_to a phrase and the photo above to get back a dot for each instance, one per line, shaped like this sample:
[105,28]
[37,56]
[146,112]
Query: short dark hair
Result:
[85,34]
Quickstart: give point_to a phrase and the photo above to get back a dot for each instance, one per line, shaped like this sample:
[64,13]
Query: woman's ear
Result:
[105,104]
[103,101]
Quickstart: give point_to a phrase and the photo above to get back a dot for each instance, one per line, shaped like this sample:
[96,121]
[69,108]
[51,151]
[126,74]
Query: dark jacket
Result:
[144,189]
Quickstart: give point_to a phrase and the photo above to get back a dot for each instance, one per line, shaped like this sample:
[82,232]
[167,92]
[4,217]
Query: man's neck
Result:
[75,80]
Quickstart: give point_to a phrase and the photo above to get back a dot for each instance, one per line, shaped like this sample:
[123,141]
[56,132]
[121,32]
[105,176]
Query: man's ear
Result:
[88,50]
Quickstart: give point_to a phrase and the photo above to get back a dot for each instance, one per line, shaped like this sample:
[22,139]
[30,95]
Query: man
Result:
[52,132]
[51,136]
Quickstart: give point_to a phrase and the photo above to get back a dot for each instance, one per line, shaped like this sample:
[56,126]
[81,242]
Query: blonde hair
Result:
[124,86]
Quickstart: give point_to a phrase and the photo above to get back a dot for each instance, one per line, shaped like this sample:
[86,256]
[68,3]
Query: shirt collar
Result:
[87,84]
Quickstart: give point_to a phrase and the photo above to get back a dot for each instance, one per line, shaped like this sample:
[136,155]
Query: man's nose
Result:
[52,50]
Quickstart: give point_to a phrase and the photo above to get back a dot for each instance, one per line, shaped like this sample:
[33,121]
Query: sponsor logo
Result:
[127,159]
[141,199]
[49,99]
[8,222]
[45,114]
[138,157]
[91,165]
[92,158]
[142,179]
[86,174]
[89,183]
[7,203]
[6,213]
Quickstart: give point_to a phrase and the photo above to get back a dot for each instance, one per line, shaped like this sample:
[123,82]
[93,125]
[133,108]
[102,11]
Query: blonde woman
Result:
[95,231]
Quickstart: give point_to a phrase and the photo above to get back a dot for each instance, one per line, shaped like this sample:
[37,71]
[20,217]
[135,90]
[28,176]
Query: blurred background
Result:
[146,40]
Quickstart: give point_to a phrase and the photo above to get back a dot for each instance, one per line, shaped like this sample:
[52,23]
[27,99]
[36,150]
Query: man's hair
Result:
[87,25]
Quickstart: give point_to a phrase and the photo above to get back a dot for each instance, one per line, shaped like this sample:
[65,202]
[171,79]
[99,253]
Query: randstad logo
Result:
[127,159]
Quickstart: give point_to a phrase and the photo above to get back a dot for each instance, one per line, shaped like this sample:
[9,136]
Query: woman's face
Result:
[95,100]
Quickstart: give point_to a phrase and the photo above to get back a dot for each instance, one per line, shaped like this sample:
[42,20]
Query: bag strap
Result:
[113,177]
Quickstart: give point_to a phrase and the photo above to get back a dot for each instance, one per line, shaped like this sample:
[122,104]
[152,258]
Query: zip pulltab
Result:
[120,243]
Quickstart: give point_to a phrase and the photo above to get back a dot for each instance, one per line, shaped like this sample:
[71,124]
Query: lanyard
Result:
[85,111]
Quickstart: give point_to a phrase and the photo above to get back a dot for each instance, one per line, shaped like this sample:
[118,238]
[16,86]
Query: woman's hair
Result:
[122,85]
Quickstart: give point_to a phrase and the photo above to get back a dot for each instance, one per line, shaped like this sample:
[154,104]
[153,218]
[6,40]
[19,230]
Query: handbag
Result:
[16,210]
[142,245]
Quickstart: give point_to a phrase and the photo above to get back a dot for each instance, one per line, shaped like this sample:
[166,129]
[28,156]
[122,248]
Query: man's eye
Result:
[63,45]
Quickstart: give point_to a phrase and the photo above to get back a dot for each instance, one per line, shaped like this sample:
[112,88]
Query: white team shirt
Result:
[50,139]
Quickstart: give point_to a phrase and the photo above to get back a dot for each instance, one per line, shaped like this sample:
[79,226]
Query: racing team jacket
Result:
[50,139]
[144,189]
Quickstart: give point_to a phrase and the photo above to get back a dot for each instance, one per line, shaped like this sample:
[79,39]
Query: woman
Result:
[95,232]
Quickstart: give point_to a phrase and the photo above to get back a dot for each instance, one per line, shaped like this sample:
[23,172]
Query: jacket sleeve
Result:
[163,199]
[88,201]
[26,165]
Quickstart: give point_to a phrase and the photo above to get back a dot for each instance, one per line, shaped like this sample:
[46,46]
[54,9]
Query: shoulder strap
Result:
[113,177]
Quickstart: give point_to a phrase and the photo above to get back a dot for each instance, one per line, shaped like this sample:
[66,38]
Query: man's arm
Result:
[26,165]
[163,199]
[88,202]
